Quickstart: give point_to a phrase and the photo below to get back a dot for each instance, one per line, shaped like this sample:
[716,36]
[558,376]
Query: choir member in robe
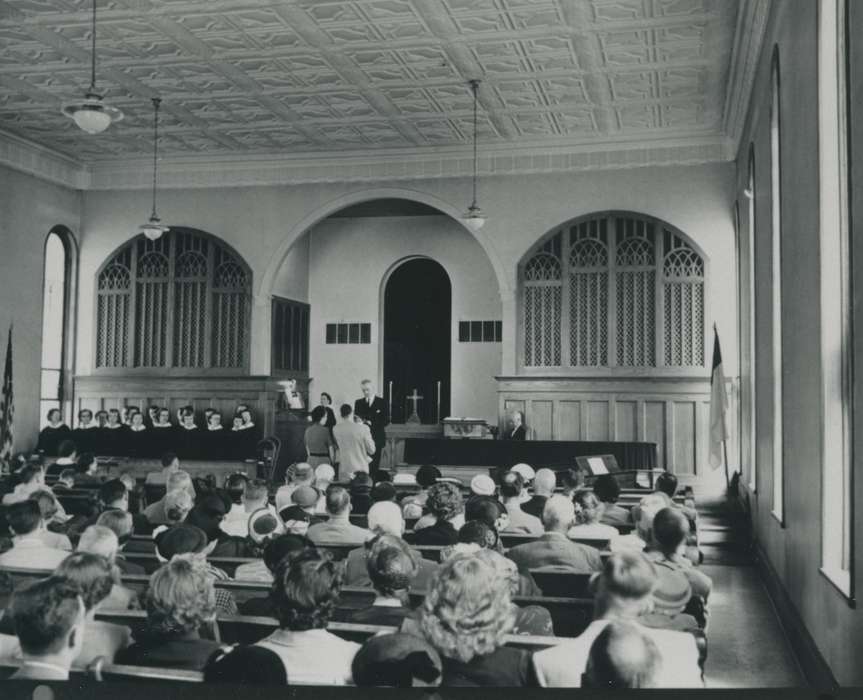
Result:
[235,438]
[327,403]
[114,435]
[215,439]
[162,432]
[86,433]
[53,434]
[152,416]
[138,437]
[187,436]
[247,434]
[101,420]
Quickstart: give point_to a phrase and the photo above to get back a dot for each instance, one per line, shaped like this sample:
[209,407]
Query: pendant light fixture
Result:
[474,218]
[153,229]
[92,114]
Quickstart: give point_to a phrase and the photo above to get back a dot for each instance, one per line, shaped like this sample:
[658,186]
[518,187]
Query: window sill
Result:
[840,580]
[779,519]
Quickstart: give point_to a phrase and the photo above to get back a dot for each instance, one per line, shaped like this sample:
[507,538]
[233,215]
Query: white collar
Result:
[45,664]
[138,429]
[387,602]
[162,425]
[113,427]
[210,427]
[189,427]
[54,427]
[87,427]
[246,426]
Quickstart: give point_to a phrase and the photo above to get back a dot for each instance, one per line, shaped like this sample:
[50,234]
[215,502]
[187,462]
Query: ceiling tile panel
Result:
[245,76]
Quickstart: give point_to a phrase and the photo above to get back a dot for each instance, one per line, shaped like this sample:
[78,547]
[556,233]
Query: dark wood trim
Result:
[813,665]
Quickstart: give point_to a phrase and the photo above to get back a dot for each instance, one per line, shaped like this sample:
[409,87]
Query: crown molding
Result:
[355,166]
[247,171]
[44,163]
[752,19]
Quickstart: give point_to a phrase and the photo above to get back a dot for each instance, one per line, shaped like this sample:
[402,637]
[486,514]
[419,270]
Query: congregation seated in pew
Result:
[209,524]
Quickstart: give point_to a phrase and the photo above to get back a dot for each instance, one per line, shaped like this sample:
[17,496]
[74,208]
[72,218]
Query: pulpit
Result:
[466,428]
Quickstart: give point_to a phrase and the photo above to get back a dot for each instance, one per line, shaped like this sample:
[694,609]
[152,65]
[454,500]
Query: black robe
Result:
[114,440]
[188,442]
[138,443]
[245,443]
[215,444]
[50,439]
[86,439]
[162,439]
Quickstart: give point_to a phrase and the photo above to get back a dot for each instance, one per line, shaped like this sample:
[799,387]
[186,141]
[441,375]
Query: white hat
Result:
[526,471]
[482,485]
[324,474]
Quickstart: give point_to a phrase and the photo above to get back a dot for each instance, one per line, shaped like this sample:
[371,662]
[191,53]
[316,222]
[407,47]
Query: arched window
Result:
[57,297]
[181,302]
[613,290]
[776,285]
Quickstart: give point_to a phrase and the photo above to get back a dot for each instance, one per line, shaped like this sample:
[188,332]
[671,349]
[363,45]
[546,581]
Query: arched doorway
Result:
[417,326]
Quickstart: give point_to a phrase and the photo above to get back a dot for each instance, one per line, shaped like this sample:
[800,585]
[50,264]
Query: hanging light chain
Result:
[474,84]
[93,52]
[156,103]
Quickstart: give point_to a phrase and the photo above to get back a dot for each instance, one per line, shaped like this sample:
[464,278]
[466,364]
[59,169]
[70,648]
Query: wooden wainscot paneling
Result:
[673,412]
[222,393]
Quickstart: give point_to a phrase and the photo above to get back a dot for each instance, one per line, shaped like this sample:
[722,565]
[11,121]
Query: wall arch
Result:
[267,280]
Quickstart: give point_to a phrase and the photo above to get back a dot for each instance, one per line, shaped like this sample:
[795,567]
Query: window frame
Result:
[65,385]
[304,310]
[837,330]
[777,507]
[168,370]
[612,369]
[752,219]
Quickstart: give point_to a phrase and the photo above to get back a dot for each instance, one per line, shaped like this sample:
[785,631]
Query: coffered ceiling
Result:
[243,77]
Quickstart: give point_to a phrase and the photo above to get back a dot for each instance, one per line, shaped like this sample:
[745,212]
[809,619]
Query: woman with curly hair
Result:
[180,601]
[466,616]
[305,593]
[446,506]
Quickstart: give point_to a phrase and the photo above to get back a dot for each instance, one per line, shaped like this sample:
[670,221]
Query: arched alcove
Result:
[417,324]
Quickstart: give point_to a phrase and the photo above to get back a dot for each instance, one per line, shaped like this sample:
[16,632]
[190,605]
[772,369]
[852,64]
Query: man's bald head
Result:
[622,657]
[545,482]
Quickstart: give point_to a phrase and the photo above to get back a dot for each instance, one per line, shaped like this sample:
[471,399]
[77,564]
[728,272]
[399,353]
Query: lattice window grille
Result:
[633,287]
[683,289]
[182,301]
[543,275]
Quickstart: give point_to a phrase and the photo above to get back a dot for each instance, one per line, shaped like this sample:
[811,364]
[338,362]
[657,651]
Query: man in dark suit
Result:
[516,429]
[372,410]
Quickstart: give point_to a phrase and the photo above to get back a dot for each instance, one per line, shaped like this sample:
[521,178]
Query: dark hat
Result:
[395,660]
[180,539]
[263,524]
[211,505]
[304,496]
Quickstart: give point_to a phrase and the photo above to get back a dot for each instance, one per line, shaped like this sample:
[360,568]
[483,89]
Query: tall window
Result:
[179,303]
[290,350]
[750,330]
[776,288]
[835,295]
[56,297]
[613,290]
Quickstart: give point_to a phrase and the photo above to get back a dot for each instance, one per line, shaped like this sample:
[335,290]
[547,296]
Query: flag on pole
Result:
[7,408]
[718,405]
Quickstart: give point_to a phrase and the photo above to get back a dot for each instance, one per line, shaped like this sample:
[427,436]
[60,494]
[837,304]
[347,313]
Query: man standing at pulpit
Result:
[372,410]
